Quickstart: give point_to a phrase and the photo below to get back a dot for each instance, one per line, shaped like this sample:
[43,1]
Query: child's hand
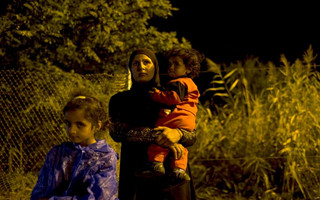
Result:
[152,90]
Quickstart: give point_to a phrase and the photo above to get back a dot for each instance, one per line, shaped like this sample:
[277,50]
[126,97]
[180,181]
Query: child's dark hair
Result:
[191,58]
[94,109]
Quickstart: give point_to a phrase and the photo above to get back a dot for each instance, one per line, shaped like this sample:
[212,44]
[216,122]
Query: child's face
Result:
[177,68]
[79,129]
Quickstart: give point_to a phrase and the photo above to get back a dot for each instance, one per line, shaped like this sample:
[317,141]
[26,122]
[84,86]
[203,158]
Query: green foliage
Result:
[82,35]
[265,142]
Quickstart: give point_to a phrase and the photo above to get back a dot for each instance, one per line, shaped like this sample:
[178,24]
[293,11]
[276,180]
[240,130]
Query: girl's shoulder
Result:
[60,150]
[66,145]
[103,150]
[102,146]
[63,146]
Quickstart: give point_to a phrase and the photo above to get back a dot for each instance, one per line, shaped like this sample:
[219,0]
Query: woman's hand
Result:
[177,150]
[168,136]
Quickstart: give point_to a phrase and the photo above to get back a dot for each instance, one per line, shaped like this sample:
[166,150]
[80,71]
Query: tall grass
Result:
[264,142]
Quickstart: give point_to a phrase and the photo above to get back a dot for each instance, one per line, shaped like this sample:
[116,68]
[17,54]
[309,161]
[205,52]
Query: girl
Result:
[84,168]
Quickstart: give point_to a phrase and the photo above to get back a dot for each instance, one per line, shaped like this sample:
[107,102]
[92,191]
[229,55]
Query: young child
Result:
[84,168]
[181,97]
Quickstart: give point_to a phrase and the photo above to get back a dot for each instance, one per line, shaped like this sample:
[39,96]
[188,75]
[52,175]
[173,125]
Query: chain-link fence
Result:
[31,119]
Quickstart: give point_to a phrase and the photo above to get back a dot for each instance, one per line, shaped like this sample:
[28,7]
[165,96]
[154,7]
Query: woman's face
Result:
[142,68]
[79,129]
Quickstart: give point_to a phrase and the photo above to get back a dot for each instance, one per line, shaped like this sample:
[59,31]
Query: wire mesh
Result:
[31,119]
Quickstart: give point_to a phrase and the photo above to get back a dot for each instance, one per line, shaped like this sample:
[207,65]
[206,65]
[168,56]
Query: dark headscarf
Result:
[155,81]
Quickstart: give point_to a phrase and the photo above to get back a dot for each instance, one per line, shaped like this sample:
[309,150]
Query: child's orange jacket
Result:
[183,94]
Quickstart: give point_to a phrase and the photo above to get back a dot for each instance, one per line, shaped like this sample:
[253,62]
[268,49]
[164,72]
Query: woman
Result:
[133,115]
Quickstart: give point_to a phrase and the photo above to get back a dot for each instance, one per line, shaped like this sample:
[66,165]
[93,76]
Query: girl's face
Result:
[142,68]
[79,129]
[177,68]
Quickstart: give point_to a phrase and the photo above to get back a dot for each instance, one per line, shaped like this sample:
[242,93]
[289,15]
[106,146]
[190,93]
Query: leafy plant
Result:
[81,35]
[266,144]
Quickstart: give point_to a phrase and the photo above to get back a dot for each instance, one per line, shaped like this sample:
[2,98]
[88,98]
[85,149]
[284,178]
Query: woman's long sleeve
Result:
[121,133]
[188,137]
[133,120]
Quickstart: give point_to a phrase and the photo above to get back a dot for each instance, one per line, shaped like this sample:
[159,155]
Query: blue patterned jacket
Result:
[74,172]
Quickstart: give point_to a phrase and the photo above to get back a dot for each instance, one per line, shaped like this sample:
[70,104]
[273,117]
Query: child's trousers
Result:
[157,153]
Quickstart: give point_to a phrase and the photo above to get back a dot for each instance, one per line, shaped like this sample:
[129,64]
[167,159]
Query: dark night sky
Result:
[231,31]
